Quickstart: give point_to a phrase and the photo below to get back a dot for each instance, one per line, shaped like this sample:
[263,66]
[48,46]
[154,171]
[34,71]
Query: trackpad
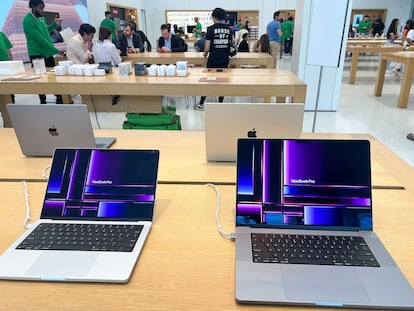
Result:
[323,284]
[65,264]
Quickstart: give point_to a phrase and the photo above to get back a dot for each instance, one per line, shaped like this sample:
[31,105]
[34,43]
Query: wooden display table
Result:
[406,58]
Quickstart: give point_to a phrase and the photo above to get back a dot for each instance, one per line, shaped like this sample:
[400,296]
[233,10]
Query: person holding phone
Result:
[39,43]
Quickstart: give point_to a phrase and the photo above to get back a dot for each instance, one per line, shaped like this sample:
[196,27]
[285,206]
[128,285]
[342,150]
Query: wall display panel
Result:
[72,12]
[357,15]
[186,18]
[122,15]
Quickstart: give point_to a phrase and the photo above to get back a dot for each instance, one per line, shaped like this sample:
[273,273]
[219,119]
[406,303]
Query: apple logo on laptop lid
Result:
[252,133]
[53,131]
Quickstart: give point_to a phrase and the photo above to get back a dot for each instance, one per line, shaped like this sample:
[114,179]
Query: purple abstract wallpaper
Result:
[102,184]
[304,182]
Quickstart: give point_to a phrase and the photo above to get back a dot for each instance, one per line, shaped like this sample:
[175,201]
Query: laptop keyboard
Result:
[82,237]
[100,146]
[312,249]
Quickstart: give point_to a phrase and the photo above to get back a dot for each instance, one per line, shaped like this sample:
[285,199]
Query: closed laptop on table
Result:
[96,215]
[304,227]
[226,122]
[40,129]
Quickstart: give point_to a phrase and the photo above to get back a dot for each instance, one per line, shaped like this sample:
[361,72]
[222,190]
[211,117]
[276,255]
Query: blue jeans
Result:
[288,46]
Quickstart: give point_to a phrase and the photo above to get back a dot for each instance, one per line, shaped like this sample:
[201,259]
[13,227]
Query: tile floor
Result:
[359,111]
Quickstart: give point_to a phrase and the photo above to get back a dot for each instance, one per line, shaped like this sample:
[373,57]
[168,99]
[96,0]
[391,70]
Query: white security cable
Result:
[44,172]
[26,197]
[224,234]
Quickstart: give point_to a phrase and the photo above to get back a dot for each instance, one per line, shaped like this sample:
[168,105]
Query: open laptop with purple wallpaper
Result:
[304,228]
[96,215]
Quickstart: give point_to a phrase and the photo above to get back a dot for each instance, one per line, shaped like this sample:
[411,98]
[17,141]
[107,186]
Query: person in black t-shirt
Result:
[244,44]
[217,47]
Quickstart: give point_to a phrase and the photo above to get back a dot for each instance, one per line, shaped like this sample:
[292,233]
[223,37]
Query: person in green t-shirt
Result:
[5,46]
[5,53]
[39,43]
[109,23]
[364,26]
[287,30]
[198,28]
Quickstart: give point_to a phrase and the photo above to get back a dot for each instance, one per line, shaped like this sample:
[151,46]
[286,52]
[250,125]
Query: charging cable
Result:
[44,172]
[229,236]
[26,197]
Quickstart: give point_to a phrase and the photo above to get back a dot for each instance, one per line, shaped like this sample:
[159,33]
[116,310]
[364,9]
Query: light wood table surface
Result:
[183,159]
[356,50]
[263,60]
[370,41]
[264,83]
[185,263]
[406,58]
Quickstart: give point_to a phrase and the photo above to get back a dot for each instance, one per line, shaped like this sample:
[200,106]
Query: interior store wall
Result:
[155,9]
[395,9]
[97,9]
[331,79]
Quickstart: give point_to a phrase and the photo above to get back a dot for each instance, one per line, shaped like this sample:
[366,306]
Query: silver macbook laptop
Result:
[40,129]
[96,215]
[304,228]
[226,122]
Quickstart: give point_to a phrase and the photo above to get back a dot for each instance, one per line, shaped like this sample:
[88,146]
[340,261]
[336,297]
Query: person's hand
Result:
[164,49]
[58,21]
[63,53]
[89,45]
[119,51]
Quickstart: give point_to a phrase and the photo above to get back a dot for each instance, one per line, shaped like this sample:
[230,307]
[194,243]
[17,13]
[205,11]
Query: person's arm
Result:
[409,38]
[279,32]
[31,31]
[207,47]
[7,44]
[115,55]
[149,47]
[115,30]
[121,44]
[160,44]
[177,44]
[138,42]
[256,46]
[198,28]
[78,49]
[51,26]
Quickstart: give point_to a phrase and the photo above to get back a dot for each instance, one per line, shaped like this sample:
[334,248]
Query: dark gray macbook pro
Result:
[40,129]
[304,227]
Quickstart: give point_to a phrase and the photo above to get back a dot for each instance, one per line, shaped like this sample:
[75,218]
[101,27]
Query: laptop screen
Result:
[101,184]
[297,183]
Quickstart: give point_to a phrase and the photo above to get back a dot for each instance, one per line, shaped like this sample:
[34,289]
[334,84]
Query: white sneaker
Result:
[199,107]
[396,71]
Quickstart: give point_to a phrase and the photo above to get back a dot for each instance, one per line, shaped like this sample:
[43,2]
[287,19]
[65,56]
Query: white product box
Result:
[161,70]
[39,66]
[60,70]
[99,72]
[171,70]
[182,65]
[152,70]
[11,67]
[89,70]
[182,73]
[72,69]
